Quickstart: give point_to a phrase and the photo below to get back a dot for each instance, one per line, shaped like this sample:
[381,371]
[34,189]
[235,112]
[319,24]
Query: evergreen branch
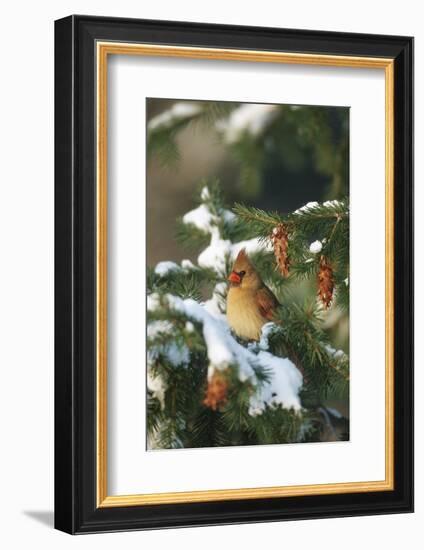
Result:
[251,214]
[190,237]
[183,420]
[307,219]
[302,339]
[185,283]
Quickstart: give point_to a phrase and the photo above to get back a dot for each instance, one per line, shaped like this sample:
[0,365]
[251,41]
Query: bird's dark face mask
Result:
[236,278]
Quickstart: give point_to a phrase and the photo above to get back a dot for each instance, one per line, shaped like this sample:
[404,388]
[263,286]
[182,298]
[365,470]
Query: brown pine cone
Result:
[216,393]
[325,282]
[280,240]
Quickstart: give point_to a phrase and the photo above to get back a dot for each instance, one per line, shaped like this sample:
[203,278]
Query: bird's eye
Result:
[242,273]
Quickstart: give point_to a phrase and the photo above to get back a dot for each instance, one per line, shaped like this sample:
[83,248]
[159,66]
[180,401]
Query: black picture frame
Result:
[76,508]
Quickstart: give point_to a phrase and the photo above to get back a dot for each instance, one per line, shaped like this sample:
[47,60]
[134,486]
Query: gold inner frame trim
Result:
[104,49]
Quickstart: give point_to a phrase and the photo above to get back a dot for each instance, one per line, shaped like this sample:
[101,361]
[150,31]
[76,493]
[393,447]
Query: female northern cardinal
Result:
[250,304]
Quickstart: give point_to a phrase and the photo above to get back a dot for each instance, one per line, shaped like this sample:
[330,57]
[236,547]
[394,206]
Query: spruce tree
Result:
[208,388]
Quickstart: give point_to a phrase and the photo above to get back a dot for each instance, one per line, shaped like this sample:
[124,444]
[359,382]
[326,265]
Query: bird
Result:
[250,303]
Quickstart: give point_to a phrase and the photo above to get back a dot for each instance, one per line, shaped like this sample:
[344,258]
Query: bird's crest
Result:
[242,262]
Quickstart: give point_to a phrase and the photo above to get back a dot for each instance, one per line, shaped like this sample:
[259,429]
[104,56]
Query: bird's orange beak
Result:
[234,277]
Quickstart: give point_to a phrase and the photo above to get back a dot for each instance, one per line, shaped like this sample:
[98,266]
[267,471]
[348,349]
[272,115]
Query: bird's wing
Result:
[267,303]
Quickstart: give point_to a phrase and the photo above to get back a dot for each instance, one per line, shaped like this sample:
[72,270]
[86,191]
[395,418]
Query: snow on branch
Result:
[220,250]
[160,334]
[176,355]
[202,218]
[284,380]
[248,118]
[164,268]
[177,113]
[283,388]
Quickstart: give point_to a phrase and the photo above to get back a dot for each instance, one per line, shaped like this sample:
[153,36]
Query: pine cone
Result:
[216,393]
[280,240]
[325,282]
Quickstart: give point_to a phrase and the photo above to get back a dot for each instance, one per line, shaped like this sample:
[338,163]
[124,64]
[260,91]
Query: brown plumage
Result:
[250,303]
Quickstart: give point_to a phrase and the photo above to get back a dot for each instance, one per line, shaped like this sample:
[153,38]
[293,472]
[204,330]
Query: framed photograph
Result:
[234,271]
